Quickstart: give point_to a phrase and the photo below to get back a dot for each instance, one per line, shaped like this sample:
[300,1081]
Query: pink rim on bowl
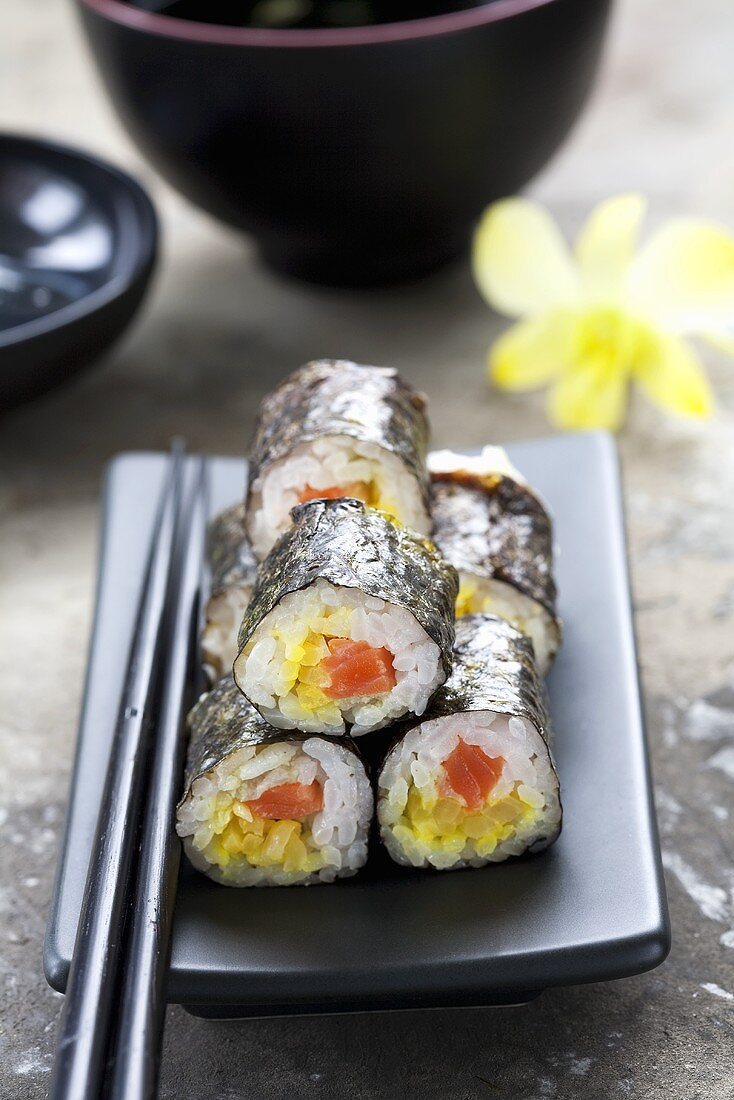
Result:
[172,27]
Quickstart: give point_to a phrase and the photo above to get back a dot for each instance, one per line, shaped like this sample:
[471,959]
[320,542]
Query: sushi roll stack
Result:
[333,615]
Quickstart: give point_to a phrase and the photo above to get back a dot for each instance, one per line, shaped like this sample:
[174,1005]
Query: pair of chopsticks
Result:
[111,1023]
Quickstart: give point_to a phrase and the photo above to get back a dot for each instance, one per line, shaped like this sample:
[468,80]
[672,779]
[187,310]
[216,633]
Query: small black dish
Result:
[78,241]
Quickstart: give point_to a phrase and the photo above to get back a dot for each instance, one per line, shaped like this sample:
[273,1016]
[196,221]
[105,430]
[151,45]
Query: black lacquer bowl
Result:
[77,247]
[354,156]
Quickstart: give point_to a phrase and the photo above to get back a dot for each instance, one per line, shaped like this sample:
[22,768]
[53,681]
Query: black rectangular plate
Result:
[593,907]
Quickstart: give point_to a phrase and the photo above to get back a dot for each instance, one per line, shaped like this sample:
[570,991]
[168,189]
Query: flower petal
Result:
[520,261]
[607,242]
[532,352]
[684,277]
[671,375]
[590,394]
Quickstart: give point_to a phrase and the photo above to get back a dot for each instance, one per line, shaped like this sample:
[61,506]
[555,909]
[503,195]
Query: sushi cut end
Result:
[491,596]
[330,468]
[466,790]
[493,462]
[223,616]
[282,813]
[330,657]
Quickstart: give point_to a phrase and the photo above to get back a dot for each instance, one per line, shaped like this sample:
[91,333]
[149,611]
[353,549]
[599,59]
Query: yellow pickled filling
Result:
[446,825]
[369,492]
[374,496]
[385,504]
[305,647]
[262,841]
[470,600]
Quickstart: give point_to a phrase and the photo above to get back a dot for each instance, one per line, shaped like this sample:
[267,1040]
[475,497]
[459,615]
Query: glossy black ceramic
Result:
[358,155]
[77,247]
[590,908]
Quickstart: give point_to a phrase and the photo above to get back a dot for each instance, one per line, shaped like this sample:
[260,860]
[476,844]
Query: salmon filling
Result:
[288,800]
[470,775]
[359,490]
[357,668]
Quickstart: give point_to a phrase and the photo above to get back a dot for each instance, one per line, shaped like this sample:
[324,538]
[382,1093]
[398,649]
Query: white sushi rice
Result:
[328,462]
[478,594]
[491,460]
[337,834]
[222,620]
[416,762]
[268,676]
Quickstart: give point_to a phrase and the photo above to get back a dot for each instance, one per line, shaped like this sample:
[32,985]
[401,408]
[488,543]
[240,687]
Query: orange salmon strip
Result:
[289,800]
[470,774]
[357,668]
[335,492]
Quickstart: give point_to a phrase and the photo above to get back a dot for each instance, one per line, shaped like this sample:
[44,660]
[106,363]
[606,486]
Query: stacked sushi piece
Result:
[333,615]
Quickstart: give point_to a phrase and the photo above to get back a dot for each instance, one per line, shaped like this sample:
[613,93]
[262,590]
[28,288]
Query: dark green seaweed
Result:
[223,721]
[495,527]
[349,544]
[231,560]
[494,669]
[337,397]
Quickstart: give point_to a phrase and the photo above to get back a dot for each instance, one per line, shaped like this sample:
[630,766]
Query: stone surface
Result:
[216,333]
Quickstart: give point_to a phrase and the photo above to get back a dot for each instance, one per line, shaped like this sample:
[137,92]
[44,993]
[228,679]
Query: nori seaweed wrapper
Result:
[229,553]
[223,721]
[337,397]
[492,526]
[494,669]
[349,544]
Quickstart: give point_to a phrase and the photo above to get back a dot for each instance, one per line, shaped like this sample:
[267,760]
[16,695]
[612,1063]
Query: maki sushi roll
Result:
[232,566]
[337,429]
[266,808]
[496,531]
[474,781]
[351,623]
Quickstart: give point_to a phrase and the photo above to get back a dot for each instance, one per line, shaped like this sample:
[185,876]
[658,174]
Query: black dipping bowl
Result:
[77,247]
[354,156]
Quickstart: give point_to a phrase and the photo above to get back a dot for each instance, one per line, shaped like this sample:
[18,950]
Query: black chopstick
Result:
[137,1053]
[87,1013]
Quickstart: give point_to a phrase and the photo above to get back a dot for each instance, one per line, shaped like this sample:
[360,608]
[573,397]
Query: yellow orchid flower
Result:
[592,321]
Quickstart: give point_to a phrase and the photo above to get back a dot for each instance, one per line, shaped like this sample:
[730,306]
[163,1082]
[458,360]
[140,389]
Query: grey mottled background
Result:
[216,331]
